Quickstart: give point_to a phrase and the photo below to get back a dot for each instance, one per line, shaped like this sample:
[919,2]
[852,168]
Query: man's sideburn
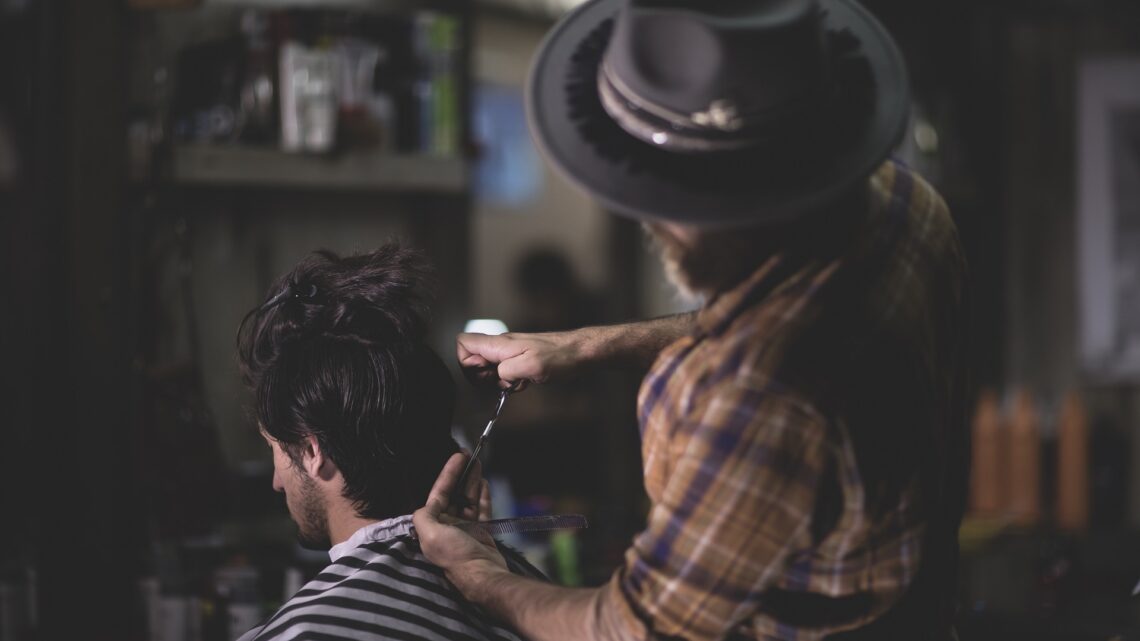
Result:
[311,519]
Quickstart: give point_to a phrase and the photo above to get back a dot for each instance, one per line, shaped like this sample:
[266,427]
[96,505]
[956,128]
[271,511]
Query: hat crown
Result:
[758,58]
[708,168]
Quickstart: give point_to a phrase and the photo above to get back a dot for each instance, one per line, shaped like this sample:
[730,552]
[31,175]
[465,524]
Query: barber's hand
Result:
[468,559]
[522,358]
[476,501]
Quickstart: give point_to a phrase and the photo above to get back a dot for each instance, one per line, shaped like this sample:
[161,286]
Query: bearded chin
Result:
[312,522]
[681,281]
[675,259]
[714,262]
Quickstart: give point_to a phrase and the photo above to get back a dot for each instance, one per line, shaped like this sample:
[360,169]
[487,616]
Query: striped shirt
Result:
[380,586]
[760,429]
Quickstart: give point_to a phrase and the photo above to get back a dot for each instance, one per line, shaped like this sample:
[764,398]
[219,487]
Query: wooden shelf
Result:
[366,6]
[543,9]
[237,166]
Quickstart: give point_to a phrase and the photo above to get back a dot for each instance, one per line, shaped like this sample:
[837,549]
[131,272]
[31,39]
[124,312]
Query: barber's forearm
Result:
[633,344]
[544,612]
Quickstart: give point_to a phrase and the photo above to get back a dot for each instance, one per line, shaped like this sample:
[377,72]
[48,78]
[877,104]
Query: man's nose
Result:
[278,486]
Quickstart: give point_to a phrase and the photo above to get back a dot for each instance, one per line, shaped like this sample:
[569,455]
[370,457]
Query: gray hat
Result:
[718,112]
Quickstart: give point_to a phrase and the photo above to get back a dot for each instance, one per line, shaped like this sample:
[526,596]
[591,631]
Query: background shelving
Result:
[247,166]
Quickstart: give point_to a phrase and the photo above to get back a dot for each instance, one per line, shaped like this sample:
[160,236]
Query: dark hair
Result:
[338,352]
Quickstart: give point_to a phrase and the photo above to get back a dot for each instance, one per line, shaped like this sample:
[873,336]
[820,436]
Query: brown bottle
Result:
[988,467]
[1073,465]
[1024,461]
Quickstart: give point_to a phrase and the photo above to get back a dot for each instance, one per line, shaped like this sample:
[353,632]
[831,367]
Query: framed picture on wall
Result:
[1108,228]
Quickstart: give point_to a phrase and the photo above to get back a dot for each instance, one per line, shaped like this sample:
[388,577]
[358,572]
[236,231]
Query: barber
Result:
[802,433]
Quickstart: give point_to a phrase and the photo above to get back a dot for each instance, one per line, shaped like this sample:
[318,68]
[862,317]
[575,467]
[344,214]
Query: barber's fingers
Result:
[479,355]
[477,498]
[439,498]
[512,384]
[481,350]
[471,493]
[485,502]
[494,360]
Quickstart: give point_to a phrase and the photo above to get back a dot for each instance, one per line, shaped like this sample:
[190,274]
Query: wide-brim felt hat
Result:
[667,111]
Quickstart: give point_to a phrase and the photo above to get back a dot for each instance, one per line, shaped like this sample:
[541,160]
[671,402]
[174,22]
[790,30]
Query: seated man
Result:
[357,410]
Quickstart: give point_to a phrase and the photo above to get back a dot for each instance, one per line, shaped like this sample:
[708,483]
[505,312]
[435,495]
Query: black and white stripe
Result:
[386,589]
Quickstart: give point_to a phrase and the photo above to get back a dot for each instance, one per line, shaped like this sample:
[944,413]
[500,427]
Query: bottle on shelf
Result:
[988,469]
[1025,460]
[1073,465]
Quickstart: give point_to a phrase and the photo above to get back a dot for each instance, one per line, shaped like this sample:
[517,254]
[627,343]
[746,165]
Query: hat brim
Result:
[763,185]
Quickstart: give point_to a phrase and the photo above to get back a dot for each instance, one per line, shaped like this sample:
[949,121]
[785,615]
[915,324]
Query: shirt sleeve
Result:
[741,486]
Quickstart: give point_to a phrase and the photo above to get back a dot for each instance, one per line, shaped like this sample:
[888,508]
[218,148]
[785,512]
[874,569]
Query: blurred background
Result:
[162,161]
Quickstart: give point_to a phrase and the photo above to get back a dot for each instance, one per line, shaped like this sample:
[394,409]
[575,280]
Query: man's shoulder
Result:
[914,215]
[381,590]
[923,271]
[902,271]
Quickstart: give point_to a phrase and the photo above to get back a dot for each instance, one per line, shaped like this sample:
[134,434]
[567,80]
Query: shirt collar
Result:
[373,533]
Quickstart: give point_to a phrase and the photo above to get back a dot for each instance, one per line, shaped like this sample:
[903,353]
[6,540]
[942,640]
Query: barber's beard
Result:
[672,254]
[310,515]
[713,263]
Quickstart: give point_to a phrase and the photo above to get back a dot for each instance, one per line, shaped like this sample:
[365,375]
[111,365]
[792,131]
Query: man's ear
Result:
[317,465]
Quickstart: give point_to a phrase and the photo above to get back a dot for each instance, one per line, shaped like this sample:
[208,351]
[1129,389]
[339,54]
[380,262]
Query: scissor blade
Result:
[487,430]
[457,494]
[467,468]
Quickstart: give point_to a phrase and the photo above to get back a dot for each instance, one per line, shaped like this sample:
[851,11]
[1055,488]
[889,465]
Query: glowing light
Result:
[926,137]
[489,326]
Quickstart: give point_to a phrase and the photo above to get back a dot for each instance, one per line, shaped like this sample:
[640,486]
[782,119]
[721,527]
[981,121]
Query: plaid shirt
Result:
[761,525]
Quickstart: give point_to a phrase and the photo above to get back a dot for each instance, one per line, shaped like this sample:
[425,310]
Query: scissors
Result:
[457,497]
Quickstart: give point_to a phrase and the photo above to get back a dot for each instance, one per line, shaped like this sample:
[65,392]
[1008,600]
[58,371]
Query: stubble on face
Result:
[702,264]
[674,254]
[303,499]
[307,507]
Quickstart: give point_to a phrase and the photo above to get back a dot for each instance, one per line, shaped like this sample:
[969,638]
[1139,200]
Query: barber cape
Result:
[380,586]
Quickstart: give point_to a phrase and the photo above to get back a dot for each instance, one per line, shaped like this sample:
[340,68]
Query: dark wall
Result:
[65,350]
[998,80]
[953,52]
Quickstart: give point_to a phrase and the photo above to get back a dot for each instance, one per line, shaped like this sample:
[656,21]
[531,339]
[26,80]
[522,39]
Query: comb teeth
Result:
[529,524]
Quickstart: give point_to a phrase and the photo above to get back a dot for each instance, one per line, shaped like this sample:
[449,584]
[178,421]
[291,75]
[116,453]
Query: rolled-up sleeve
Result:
[742,474]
